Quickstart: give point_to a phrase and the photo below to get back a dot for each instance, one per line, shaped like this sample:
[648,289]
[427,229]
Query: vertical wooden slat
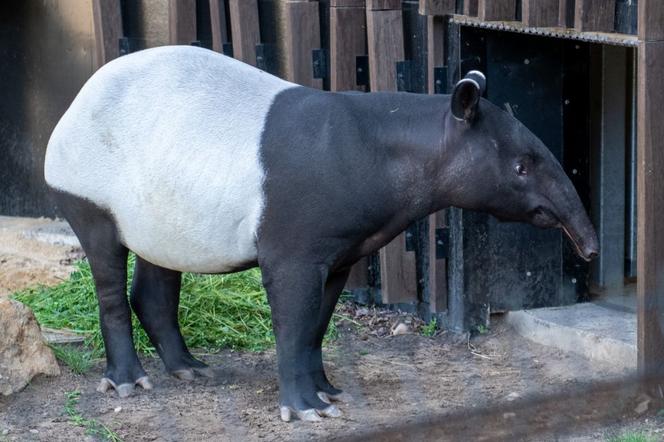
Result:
[470,8]
[182,21]
[562,13]
[348,40]
[650,184]
[107,17]
[386,47]
[493,10]
[301,36]
[594,15]
[540,13]
[245,29]
[218,24]
[437,267]
[437,7]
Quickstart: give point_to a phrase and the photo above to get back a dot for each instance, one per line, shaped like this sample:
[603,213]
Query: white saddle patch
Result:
[168,140]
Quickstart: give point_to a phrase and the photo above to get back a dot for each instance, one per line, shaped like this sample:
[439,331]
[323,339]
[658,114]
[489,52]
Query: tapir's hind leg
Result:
[107,256]
[155,295]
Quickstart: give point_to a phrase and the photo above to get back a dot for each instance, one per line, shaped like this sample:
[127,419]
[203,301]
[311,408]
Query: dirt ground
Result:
[497,386]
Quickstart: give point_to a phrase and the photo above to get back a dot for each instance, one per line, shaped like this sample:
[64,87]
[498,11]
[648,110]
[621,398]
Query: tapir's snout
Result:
[586,243]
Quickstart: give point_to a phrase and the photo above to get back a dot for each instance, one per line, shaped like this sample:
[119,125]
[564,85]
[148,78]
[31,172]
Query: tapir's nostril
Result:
[592,255]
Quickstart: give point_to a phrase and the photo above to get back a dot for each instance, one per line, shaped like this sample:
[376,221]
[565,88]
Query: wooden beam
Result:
[301,36]
[470,8]
[107,18]
[348,40]
[594,15]
[182,21]
[245,29]
[437,7]
[650,184]
[218,24]
[651,20]
[540,13]
[435,48]
[383,5]
[496,10]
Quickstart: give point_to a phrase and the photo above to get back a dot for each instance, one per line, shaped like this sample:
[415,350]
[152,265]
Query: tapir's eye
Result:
[521,170]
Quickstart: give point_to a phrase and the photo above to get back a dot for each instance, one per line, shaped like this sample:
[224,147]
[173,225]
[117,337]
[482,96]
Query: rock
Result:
[642,407]
[400,329]
[23,354]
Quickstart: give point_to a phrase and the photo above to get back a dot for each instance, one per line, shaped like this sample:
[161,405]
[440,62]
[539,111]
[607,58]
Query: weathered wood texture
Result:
[182,21]
[385,46]
[650,182]
[218,24]
[301,35]
[594,15]
[435,49]
[651,20]
[348,40]
[470,7]
[245,29]
[107,17]
[542,13]
[562,13]
[383,5]
[492,10]
[437,7]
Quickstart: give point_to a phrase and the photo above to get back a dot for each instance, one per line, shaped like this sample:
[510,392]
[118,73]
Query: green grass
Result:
[216,311]
[92,427]
[632,437]
[430,328]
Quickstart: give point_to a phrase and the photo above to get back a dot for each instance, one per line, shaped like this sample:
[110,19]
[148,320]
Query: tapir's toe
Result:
[189,373]
[339,397]
[310,415]
[126,389]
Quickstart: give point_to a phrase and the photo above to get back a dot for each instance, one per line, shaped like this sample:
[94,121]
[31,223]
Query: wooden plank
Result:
[347,3]
[435,48]
[470,7]
[651,20]
[348,39]
[245,29]
[540,13]
[594,15]
[182,21]
[650,203]
[383,5]
[562,13]
[496,10]
[437,7]
[107,18]
[218,24]
[385,47]
[301,36]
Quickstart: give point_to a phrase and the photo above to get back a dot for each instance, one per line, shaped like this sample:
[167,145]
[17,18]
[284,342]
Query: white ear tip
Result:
[463,80]
[478,73]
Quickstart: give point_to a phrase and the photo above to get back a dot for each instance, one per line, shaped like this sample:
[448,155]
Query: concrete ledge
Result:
[593,331]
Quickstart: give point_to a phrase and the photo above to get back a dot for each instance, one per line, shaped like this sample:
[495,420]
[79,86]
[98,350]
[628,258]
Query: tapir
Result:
[197,162]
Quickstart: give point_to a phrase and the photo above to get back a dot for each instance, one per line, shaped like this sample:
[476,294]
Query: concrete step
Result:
[598,331]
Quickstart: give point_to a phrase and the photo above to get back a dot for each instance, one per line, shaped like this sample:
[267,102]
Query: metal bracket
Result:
[405,76]
[227,49]
[411,237]
[362,70]
[442,242]
[124,46]
[266,57]
[320,65]
[440,80]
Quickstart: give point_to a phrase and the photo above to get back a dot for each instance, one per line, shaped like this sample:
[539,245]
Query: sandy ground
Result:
[497,386]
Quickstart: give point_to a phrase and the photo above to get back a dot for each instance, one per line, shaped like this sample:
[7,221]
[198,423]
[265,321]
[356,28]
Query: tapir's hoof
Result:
[124,390]
[310,415]
[340,397]
[189,374]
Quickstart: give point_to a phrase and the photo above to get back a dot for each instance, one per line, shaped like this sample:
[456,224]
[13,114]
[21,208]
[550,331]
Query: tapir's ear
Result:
[466,96]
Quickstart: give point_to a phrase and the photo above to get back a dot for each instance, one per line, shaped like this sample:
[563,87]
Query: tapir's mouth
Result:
[587,256]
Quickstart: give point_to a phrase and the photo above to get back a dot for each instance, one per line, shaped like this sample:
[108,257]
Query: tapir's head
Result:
[502,168]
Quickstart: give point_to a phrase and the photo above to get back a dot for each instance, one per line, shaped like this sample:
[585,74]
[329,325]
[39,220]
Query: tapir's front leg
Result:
[295,290]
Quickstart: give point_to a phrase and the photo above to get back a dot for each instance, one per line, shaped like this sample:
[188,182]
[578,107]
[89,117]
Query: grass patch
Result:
[92,427]
[632,437]
[216,311]
[430,329]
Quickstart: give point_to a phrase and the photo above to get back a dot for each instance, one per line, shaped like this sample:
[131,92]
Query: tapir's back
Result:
[168,141]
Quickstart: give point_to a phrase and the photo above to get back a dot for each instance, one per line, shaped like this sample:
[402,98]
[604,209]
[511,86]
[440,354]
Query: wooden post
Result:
[540,13]
[245,29]
[218,24]
[301,34]
[437,7]
[496,10]
[107,17]
[650,184]
[594,15]
[348,40]
[182,21]
[470,8]
[398,276]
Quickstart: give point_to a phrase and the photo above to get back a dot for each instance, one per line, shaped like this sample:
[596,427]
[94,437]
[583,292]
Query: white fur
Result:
[168,140]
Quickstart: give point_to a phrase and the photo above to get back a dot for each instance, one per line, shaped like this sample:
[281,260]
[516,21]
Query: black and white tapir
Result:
[200,163]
